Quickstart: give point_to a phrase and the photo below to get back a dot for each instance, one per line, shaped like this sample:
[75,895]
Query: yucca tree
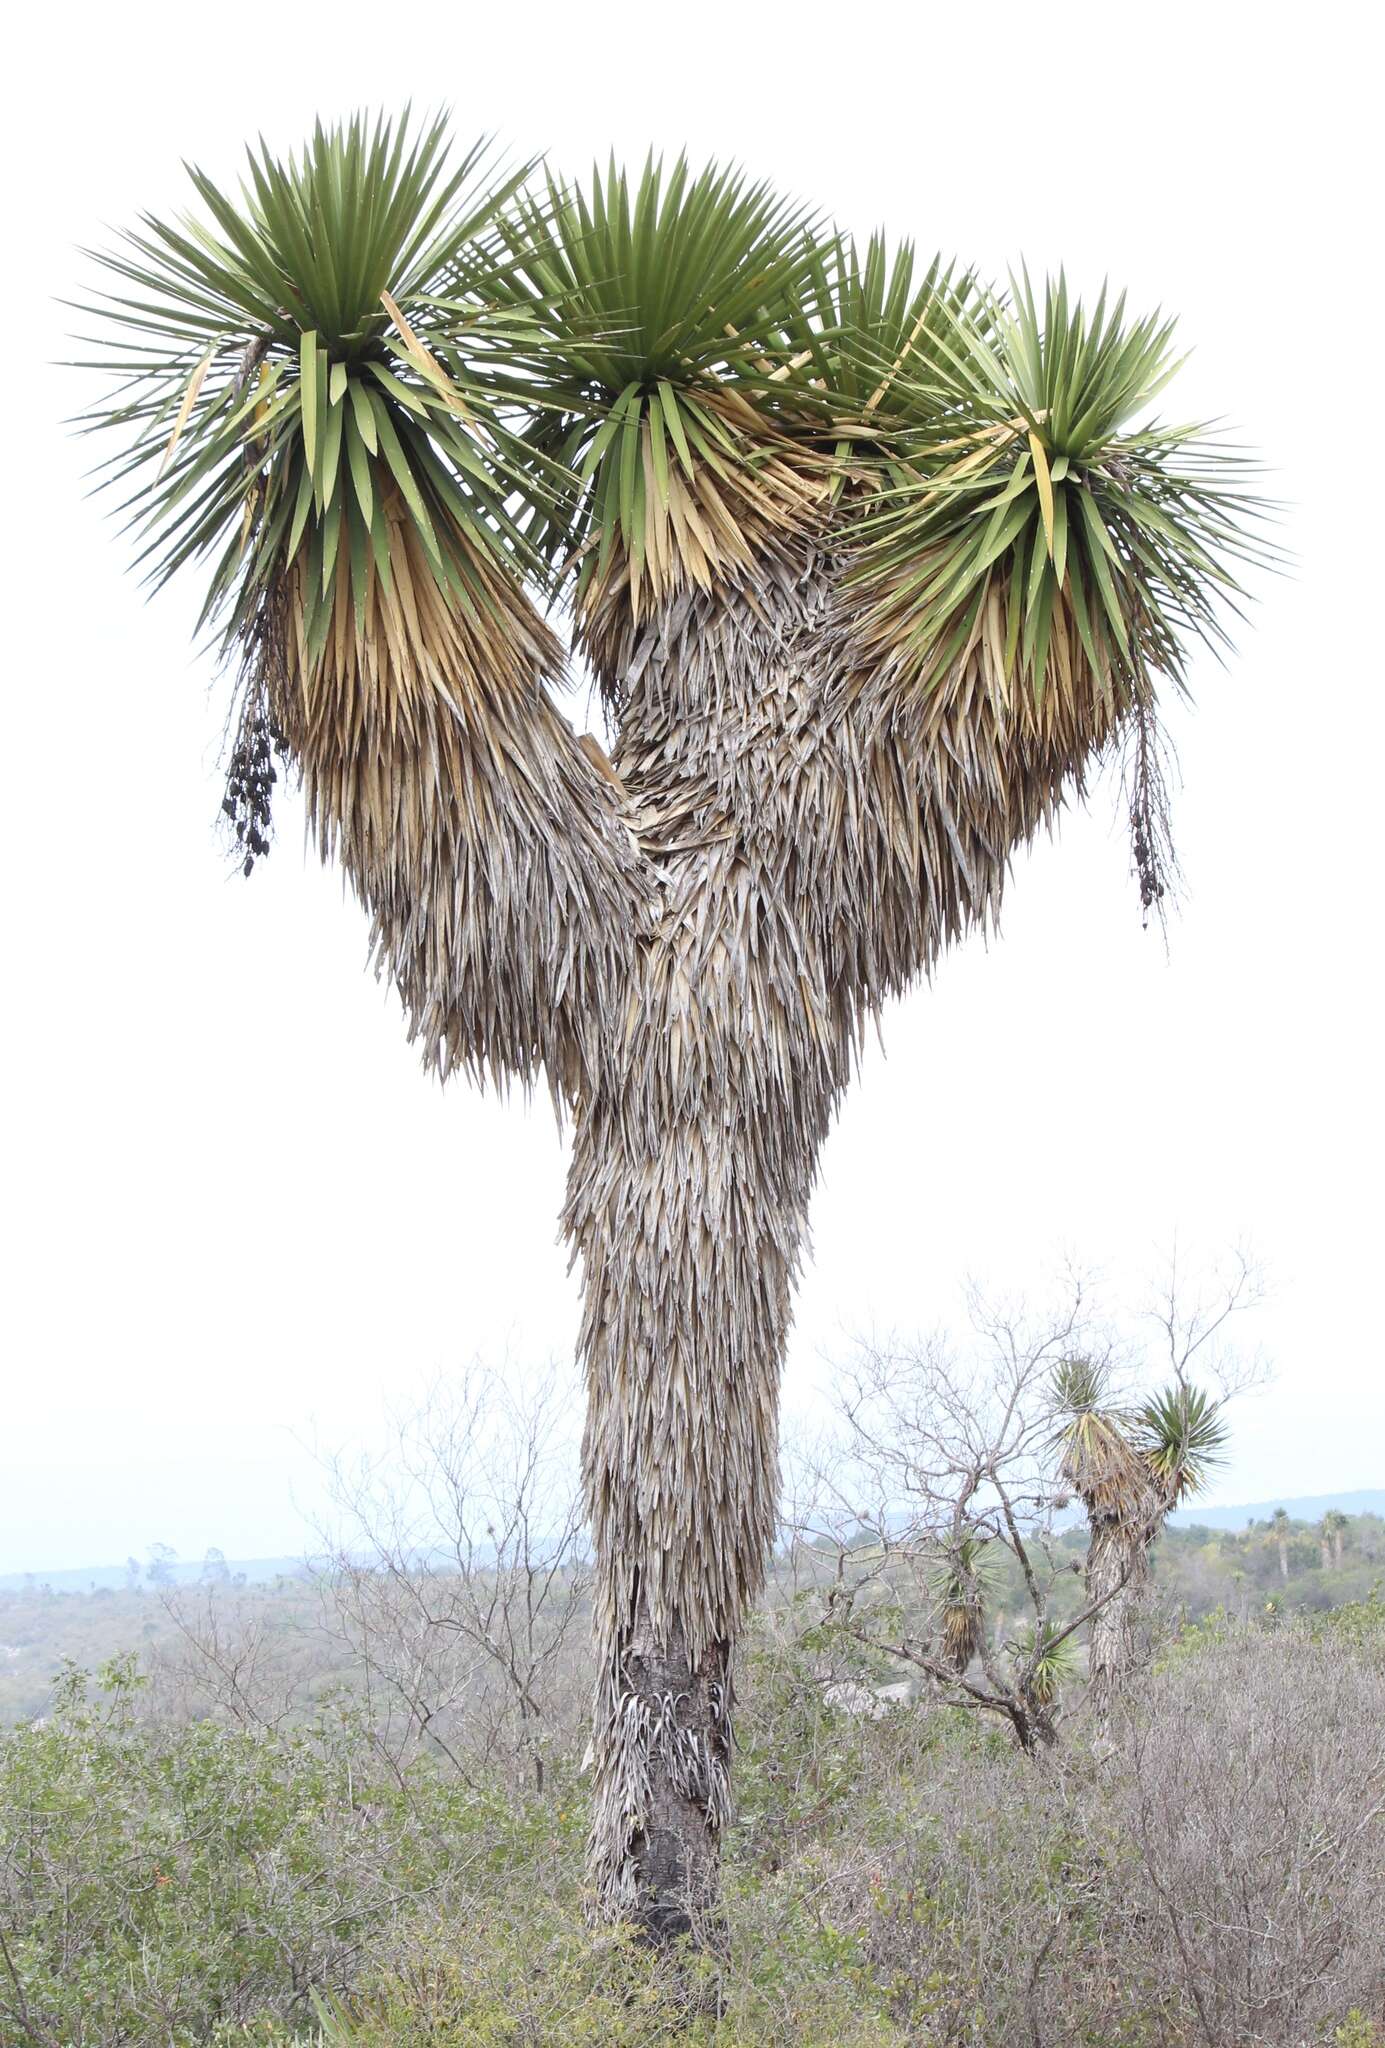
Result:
[1130,1468]
[963,1584]
[1100,1462]
[869,567]
[1045,1660]
[714,388]
[1279,1529]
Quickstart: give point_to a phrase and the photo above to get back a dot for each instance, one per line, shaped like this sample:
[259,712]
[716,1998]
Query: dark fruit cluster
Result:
[250,779]
[1152,857]
[1145,855]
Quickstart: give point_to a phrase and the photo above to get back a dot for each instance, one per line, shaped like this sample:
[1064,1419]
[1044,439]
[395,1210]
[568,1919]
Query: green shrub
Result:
[159,1883]
[908,1880]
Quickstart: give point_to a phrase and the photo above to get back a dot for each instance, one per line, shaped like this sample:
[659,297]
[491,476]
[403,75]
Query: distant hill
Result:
[259,1571]
[1306,1507]
[256,1571]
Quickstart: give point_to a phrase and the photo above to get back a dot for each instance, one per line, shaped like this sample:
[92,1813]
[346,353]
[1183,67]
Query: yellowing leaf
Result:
[189,401]
[1045,484]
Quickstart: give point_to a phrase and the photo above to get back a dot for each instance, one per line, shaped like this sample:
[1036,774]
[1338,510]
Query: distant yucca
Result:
[1129,1469]
[962,1585]
[1051,1664]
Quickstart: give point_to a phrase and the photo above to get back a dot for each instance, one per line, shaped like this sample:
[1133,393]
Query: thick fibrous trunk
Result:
[689,1262]
[687,1206]
[1116,1573]
[663,1795]
[810,841]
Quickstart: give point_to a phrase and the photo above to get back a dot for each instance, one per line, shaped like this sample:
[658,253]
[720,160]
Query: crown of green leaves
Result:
[277,386]
[645,377]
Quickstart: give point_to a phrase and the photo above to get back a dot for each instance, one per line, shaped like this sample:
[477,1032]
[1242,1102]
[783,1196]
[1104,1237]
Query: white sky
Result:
[239,1215]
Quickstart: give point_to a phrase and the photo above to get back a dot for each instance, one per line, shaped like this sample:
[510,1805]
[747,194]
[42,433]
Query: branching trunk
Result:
[687,1206]
[474,828]
[1033,1726]
[799,875]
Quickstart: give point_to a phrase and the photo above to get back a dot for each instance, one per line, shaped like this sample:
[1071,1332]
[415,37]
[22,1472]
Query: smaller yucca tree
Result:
[1130,1468]
[1045,1660]
[963,1585]
[287,422]
[1099,1461]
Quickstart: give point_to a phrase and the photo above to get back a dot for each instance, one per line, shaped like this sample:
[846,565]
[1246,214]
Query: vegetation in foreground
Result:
[354,1808]
[1215,1875]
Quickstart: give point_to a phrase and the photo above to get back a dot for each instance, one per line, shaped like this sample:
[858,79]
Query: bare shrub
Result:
[934,1521]
[457,1573]
[931,1515]
[1002,1916]
[448,1599]
[1255,1799]
[230,1657]
[1217,1877]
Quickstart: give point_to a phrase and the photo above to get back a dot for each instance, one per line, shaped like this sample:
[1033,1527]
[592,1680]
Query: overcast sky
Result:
[241,1220]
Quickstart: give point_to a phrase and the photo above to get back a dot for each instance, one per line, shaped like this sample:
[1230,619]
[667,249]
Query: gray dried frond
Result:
[477,831]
